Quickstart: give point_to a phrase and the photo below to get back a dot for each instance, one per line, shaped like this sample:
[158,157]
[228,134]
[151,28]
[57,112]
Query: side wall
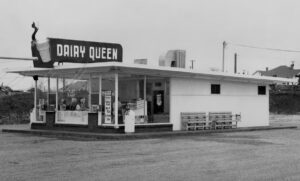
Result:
[194,95]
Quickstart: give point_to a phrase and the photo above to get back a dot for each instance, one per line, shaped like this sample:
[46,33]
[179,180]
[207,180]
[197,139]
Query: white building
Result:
[159,95]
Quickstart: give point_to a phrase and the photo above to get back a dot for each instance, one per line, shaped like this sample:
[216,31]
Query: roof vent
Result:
[173,58]
[141,61]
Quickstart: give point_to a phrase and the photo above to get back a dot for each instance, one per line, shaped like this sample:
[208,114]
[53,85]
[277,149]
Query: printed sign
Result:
[107,107]
[107,101]
[75,51]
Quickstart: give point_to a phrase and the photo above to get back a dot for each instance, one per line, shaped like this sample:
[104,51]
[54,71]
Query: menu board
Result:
[107,107]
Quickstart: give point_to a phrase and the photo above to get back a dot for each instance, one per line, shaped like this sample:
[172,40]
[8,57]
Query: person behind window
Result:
[78,108]
[83,105]
[73,104]
[62,105]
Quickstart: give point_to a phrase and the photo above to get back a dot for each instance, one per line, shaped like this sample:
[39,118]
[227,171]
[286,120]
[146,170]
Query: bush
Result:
[16,108]
[285,103]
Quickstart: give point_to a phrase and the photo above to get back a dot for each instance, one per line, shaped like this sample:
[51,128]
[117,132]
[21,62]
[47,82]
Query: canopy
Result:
[95,69]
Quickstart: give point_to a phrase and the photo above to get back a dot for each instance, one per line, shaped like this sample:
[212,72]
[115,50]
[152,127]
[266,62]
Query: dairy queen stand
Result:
[156,98]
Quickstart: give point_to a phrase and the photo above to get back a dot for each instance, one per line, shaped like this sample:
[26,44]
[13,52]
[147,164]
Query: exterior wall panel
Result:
[193,95]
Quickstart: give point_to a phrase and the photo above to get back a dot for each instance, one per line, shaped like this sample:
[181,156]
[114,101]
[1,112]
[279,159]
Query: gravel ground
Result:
[256,155]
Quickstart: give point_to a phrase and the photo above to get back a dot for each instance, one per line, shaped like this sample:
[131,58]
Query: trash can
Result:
[129,121]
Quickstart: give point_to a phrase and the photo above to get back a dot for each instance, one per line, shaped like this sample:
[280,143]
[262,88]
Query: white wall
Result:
[193,95]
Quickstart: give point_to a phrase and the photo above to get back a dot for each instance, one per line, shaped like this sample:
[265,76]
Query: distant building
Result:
[173,58]
[7,91]
[141,61]
[280,71]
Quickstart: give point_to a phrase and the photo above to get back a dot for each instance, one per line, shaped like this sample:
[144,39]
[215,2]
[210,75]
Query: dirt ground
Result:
[256,155]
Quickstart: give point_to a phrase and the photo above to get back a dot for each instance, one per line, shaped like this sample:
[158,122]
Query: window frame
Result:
[261,91]
[215,89]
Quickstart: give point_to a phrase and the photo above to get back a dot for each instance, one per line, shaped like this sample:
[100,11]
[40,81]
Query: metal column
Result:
[35,78]
[100,101]
[56,101]
[116,100]
[48,93]
[145,103]
[90,93]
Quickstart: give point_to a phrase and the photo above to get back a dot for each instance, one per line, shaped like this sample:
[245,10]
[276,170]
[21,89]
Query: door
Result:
[158,101]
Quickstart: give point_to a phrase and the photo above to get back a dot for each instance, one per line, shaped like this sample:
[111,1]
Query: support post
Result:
[35,78]
[100,101]
[48,93]
[116,100]
[90,93]
[35,94]
[165,96]
[138,89]
[145,103]
[171,105]
[100,90]
[56,101]
[64,85]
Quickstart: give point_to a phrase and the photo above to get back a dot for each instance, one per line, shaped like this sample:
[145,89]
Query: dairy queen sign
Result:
[74,51]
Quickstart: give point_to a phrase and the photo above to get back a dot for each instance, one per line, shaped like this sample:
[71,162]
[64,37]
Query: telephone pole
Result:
[192,66]
[223,58]
[235,63]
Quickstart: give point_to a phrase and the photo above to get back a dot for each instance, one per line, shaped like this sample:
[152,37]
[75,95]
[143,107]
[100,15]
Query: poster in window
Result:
[107,106]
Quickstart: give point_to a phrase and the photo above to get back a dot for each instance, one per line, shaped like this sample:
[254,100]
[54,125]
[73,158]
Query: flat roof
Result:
[85,70]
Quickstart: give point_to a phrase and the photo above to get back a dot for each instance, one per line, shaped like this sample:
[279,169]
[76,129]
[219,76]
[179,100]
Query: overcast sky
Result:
[148,28]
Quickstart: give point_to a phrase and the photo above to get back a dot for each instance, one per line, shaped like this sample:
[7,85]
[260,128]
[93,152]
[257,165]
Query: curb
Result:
[119,136]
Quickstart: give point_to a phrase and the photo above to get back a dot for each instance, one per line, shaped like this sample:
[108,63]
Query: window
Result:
[261,90]
[215,88]
[158,84]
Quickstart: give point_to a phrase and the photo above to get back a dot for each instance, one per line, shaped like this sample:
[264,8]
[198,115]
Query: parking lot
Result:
[256,155]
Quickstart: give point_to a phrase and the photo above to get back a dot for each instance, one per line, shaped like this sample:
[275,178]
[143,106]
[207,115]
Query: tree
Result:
[17,106]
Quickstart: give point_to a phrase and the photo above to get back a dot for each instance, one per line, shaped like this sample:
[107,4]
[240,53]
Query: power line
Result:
[264,48]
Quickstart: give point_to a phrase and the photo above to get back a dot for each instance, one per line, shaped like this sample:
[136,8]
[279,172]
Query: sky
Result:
[147,29]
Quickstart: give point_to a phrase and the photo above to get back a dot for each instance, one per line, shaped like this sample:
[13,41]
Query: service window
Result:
[261,90]
[215,88]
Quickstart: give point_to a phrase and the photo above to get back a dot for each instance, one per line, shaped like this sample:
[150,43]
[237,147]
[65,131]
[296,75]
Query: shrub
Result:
[16,108]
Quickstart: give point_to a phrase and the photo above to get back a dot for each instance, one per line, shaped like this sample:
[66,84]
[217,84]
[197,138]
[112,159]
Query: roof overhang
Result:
[84,71]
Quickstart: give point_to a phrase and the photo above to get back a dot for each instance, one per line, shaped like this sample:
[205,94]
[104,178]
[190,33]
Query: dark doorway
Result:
[158,101]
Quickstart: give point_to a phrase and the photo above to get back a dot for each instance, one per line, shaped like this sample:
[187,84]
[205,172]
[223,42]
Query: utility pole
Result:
[235,63]
[192,67]
[223,58]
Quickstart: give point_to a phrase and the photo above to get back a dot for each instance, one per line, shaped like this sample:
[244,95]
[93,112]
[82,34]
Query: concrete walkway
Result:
[119,136]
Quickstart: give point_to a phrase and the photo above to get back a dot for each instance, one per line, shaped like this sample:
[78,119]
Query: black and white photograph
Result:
[149,90]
